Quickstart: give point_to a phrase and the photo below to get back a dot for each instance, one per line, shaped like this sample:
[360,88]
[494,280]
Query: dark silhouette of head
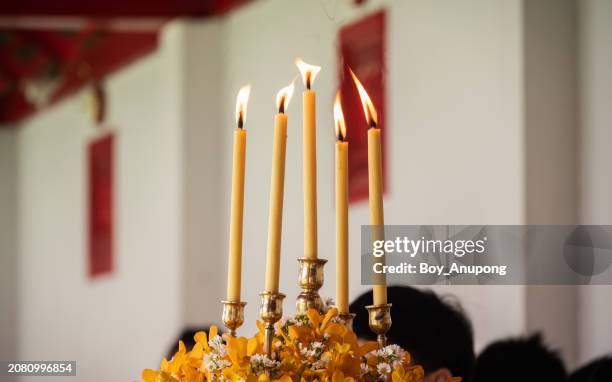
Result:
[599,370]
[519,359]
[436,332]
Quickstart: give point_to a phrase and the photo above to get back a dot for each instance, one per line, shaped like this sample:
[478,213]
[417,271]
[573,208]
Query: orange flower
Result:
[202,339]
[266,378]
[338,376]
[237,350]
[413,374]
[149,375]
[312,347]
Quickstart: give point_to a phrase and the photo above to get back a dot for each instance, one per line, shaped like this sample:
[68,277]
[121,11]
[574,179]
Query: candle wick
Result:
[240,123]
[372,124]
[281,107]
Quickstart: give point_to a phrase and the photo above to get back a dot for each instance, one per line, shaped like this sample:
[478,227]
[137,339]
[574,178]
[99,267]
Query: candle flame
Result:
[309,72]
[283,97]
[368,107]
[339,119]
[241,105]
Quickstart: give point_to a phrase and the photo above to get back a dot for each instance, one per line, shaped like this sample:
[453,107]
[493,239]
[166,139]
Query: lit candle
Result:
[277,184]
[341,209]
[375,185]
[309,73]
[237,198]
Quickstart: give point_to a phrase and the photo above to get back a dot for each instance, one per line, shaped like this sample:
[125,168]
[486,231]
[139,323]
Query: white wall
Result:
[8,243]
[205,219]
[113,326]
[596,135]
[457,150]
[455,130]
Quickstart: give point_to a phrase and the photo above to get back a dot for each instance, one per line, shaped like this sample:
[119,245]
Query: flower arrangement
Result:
[309,347]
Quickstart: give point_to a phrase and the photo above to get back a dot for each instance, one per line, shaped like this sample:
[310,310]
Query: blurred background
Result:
[495,112]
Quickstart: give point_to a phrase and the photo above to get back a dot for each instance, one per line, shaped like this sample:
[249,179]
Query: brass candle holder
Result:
[347,319]
[233,315]
[310,279]
[270,311]
[379,319]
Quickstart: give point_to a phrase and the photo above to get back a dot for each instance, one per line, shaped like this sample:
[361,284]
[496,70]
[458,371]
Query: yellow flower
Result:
[149,375]
[314,349]
[237,350]
[319,324]
[266,378]
[231,375]
[342,348]
[413,374]
[254,346]
[202,339]
[327,319]
[177,361]
[339,377]
[196,354]
[303,334]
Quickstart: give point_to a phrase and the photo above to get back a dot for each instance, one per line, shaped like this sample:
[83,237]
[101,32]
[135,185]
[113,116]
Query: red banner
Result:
[100,168]
[362,48]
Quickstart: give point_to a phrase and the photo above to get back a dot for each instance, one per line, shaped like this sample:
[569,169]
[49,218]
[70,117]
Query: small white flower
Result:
[303,349]
[321,363]
[328,303]
[364,369]
[395,348]
[383,368]
[213,362]
[261,363]
[217,345]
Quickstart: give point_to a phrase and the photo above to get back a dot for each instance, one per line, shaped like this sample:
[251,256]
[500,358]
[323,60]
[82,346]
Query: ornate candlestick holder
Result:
[233,315]
[347,318]
[379,319]
[310,279]
[270,311]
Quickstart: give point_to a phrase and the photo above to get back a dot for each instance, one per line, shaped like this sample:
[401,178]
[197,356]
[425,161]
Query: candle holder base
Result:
[347,319]
[379,319]
[270,311]
[233,315]
[310,279]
